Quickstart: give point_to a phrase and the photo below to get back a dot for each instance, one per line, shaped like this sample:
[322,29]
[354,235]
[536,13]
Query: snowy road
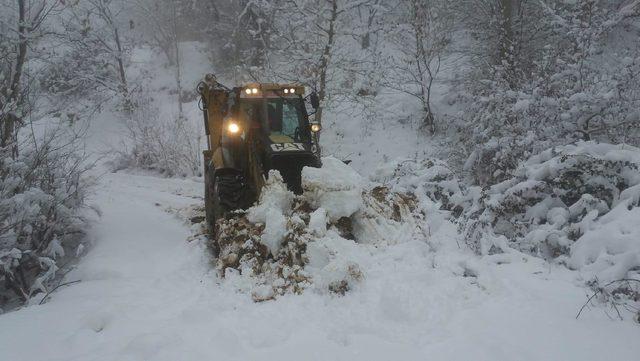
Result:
[148,294]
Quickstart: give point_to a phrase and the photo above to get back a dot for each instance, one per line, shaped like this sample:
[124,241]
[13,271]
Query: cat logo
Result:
[287,147]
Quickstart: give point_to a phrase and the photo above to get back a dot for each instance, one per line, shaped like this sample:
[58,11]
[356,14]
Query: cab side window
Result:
[289,118]
[274,112]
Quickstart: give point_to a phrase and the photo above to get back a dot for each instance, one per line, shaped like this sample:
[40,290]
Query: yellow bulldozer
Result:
[252,129]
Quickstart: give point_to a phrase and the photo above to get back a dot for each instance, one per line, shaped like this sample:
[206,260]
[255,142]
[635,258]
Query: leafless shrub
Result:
[42,191]
[167,145]
[622,296]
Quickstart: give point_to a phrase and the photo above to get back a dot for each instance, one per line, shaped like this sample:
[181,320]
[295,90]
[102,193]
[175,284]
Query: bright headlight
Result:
[315,127]
[248,91]
[286,91]
[254,91]
[233,128]
[292,90]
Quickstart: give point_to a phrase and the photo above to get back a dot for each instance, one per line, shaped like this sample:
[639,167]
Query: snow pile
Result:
[609,250]
[335,187]
[275,201]
[286,243]
[388,217]
[577,204]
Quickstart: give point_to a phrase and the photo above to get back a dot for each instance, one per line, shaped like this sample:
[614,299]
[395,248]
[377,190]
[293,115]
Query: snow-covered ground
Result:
[149,294]
[148,291]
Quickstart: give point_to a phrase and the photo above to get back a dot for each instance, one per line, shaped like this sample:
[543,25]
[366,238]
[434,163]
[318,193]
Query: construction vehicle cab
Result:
[251,130]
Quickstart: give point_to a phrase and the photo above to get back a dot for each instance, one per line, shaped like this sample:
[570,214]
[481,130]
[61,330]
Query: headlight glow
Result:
[254,91]
[286,91]
[233,128]
[292,90]
[248,91]
[315,127]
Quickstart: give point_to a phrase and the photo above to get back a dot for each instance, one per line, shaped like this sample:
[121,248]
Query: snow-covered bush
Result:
[41,194]
[169,145]
[561,90]
[430,178]
[578,204]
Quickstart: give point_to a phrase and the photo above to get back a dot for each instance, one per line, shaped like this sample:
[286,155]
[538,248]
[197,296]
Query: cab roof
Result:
[299,89]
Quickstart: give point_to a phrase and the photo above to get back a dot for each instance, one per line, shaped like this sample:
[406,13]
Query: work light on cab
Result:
[315,127]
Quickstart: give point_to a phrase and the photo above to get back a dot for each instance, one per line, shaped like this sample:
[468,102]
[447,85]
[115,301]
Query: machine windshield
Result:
[285,119]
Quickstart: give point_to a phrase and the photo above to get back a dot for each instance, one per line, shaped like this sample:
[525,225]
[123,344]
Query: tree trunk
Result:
[121,71]
[176,46]
[506,28]
[325,60]
[10,121]
[423,59]
[506,47]
[365,43]
[179,79]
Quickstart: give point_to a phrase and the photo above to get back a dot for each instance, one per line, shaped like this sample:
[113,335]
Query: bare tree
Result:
[238,31]
[103,9]
[421,38]
[307,34]
[162,24]
[159,25]
[94,32]
[21,29]
[370,11]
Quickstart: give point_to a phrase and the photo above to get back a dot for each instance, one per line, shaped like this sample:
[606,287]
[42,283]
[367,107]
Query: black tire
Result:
[208,198]
[231,193]
[224,194]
